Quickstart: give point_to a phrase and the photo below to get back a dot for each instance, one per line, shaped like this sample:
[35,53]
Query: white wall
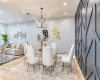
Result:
[2,31]
[2,28]
[67,31]
[31,33]
[66,27]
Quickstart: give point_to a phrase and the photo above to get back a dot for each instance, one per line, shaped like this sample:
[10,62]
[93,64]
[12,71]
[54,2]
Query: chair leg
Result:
[51,71]
[70,67]
[24,60]
[28,67]
[52,68]
[39,66]
[63,67]
[34,67]
[43,69]
[42,72]
[55,61]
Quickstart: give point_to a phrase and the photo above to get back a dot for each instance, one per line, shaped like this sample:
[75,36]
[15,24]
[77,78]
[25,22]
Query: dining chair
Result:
[54,51]
[47,58]
[31,58]
[53,48]
[68,58]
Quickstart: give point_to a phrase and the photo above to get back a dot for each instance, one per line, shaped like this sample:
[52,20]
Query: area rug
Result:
[7,58]
[19,72]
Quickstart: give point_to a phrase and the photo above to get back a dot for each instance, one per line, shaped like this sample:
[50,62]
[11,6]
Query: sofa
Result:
[15,49]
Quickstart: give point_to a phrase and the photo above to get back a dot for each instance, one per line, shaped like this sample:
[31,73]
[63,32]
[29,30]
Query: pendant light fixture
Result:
[41,23]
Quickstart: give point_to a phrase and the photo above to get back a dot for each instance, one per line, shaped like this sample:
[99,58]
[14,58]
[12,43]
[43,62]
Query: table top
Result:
[38,54]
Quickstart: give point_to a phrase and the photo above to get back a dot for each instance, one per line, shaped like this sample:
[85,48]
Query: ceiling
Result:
[14,11]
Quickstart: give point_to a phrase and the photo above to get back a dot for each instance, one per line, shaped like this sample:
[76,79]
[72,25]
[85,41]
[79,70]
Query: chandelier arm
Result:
[41,27]
[41,20]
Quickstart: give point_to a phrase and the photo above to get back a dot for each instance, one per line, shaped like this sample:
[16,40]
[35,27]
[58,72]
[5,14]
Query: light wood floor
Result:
[78,71]
[11,64]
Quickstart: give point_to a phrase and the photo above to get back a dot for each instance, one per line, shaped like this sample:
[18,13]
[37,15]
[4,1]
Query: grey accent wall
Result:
[87,39]
[66,27]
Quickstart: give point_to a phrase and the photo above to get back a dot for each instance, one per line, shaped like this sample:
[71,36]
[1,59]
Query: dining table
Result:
[39,55]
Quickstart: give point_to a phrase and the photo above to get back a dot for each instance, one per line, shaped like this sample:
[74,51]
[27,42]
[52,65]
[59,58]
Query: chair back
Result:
[25,51]
[47,56]
[31,55]
[70,55]
[53,48]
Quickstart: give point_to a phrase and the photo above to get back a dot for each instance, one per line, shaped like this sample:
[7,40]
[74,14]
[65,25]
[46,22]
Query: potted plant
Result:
[5,40]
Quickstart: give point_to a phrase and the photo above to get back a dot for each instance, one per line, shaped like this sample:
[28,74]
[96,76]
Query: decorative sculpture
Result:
[56,33]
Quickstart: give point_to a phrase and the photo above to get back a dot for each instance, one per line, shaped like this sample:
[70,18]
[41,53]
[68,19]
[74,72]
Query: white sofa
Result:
[15,49]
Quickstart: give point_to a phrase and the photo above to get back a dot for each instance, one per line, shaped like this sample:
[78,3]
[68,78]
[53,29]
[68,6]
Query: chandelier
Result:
[41,23]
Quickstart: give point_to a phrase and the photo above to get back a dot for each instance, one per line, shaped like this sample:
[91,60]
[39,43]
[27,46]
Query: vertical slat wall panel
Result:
[87,39]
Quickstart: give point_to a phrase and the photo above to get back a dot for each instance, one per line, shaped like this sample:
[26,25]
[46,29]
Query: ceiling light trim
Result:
[64,3]
[65,13]
[5,0]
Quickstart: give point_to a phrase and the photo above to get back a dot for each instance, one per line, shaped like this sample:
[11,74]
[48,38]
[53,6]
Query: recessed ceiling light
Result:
[24,11]
[5,0]
[18,18]
[1,11]
[65,4]
[10,20]
[36,20]
[48,15]
[65,13]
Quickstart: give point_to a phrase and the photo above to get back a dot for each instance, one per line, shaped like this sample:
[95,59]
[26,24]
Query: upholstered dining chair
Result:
[54,51]
[68,58]
[31,58]
[53,48]
[47,58]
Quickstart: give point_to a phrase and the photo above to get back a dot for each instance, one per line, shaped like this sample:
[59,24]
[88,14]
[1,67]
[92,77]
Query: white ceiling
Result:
[13,9]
